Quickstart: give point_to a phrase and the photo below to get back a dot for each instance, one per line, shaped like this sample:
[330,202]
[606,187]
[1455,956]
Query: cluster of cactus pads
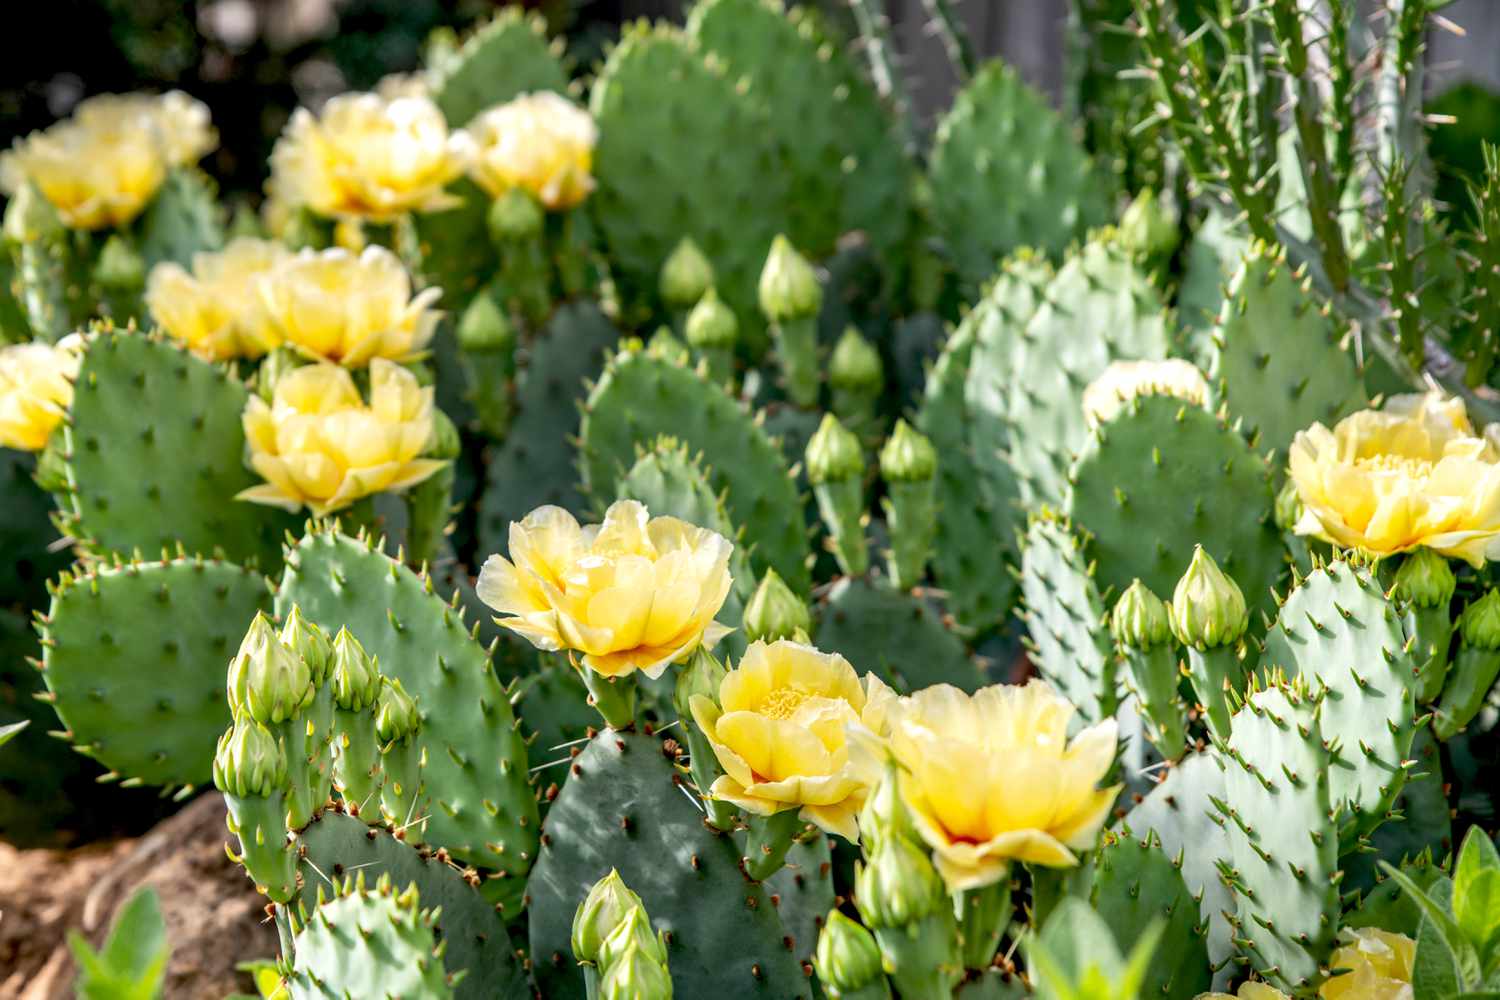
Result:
[1037,397]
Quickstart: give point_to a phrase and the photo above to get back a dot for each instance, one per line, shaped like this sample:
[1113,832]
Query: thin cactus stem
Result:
[875,34]
[954,36]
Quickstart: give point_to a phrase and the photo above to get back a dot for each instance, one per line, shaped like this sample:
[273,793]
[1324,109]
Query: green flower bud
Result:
[635,974]
[855,365]
[268,681]
[515,216]
[485,328]
[445,443]
[1480,623]
[1140,619]
[1208,608]
[774,611]
[908,456]
[249,762]
[396,713]
[602,911]
[356,678]
[686,276]
[712,323]
[633,931]
[847,958]
[1425,579]
[30,217]
[1149,226]
[834,453]
[1288,509]
[898,886]
[120,265]
[702,674]
[884,815]
[308,641]
[789,286]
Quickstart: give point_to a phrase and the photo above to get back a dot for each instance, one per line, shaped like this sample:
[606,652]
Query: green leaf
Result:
[7,733]
[134,960]
[1478,854]
[1466,957]
[1476,906]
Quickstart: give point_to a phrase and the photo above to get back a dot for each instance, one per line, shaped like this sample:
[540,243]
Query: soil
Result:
[214,917]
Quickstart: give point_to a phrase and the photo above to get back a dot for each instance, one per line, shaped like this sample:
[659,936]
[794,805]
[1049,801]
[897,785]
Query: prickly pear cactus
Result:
[134,656]
[182,220]
[899,636]
[484,810]
[1065,617]
[507,56]
[624,808]
[1211,259]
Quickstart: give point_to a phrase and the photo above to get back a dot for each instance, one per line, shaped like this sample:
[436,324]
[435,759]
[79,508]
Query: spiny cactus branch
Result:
[875,35]
[955,37]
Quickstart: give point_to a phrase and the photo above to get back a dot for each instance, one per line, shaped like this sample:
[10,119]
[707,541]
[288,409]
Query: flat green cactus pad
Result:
[334,846]
[803,892]
[502,59]
[135,658]
[155,456]
[182,220]
[624,807]
[483,809]
[1065,617]
[1211,259]
[900,637]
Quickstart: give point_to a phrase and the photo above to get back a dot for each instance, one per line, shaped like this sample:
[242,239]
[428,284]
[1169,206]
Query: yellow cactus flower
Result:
[991,777]
[95,175]
[634,593]
[369,157]
[181,123]
[542,143]
[217,310]
[36,389]
[318,445]
[348,308]
[1249,991]
[782,733]
[1123,381]
[1379,964]
[1410,475]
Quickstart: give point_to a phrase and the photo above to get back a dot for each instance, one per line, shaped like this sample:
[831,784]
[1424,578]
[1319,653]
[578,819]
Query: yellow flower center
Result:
[1407,468]
[781,703]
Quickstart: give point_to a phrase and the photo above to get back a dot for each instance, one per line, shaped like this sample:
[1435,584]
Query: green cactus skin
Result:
[182,220]
[553,706]
[1339,632]
[1065,618]
[803,892]
[483,809]
[658,103]
[1277,358]
[1164,476]
[1469,682]
[1181,812]
[641,396]
[134,655]
[1211,258]
[1100,308]
[25,533]
[534,465]
[52,267]
[1283,837]
[830,133]
[362,942]
[507,56]
[1007,171]
[259,824]
[1153,676]
[623,808]
[478,946]
[454,250]
[1424,826]
[1135,883]
[992,985]
[896,635]
[141,407]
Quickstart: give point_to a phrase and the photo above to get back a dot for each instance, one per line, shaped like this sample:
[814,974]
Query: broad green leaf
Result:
[1477,855]
[1466,957]
[133,962]
[1476,906]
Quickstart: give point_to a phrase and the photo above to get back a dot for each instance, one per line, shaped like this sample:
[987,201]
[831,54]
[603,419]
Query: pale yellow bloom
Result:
[1249,991]
[1380,965]
[782,733]
[217,310]
[1123,381]
[542,143]
[319,445]
[36,389]
[95,176]
[181,123]
[337,306]
[369,157]
[991,777]
[1413,474]
[634,593]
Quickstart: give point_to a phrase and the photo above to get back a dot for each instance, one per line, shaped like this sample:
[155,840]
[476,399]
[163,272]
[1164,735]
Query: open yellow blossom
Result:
[782,733]
[1413,474]
[318,445]
[347,308]
[181,123]
[217,309]
[1249,991]
[369,157]
[542,143]
[36,389]
[1122,381]
[94,175]
[991,777]
[1379,964]
[634,593]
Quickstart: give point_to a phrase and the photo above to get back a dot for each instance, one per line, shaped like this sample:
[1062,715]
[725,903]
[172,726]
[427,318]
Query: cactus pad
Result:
[1066,619]
[898,636]
[506,57]
[182,220]
[134,657]
[624,807]
[1210,260]
[483,810]
[803,892]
